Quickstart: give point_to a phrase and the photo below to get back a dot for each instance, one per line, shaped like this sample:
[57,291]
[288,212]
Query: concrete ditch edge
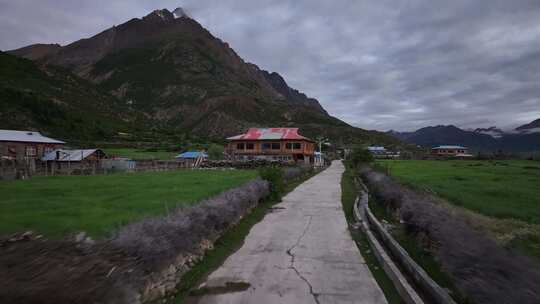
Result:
[421,278]
[405,290]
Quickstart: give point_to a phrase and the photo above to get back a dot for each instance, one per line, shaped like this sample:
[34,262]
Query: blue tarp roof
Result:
[192,154]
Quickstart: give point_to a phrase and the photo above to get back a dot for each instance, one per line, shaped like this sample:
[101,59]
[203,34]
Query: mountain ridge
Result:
[182,79]
[525,138]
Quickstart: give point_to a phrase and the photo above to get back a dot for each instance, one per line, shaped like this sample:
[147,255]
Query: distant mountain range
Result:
[525,138]
[159,75]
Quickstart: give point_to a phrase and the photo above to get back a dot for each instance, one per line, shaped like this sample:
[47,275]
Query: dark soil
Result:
[33,270]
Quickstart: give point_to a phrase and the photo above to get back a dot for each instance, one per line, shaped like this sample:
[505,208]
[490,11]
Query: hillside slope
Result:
[183,79]
[57,102]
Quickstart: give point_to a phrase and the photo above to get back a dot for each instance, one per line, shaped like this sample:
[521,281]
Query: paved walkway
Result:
[302,252]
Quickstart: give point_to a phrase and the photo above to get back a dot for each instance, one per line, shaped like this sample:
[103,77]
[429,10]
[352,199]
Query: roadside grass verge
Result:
[227,244]
[141,154]
[100,204]
[499,197]
[349,191]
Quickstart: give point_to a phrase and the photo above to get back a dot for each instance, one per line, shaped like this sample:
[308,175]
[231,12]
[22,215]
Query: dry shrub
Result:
[291,173]
[161,239]
[482,270]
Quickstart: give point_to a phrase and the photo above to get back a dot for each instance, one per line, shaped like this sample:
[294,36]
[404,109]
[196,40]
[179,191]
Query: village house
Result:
[74,159]
[450,151]
[26,144]
[279,144]
[377,150]
[382,152]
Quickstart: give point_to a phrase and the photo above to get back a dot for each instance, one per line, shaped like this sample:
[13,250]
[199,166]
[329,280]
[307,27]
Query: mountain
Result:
[524,139]
[278,83]
[532,127]
[447,135]
[36,51]
[167,68]
[491,131]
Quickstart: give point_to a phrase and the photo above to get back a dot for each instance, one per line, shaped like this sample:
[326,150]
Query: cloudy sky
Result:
[376,64]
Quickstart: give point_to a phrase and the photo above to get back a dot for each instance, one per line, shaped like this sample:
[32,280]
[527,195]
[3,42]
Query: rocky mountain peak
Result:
[161,14]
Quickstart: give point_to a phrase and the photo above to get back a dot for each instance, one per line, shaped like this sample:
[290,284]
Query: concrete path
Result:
[302,252]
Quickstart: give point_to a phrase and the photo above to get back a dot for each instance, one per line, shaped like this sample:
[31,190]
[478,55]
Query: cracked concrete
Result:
[301,252]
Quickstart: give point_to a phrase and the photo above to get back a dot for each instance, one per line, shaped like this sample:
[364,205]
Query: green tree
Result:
[215,152]
[360,155]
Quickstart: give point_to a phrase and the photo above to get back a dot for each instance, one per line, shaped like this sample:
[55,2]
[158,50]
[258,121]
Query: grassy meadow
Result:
[99,204]
[500,197]
[501,189]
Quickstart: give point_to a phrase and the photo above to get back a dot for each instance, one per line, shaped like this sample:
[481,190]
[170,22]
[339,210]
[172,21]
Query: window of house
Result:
[250,146]
[47,150]
[276,146]
[240,146]
[293,146]
[266,146]
[30,151]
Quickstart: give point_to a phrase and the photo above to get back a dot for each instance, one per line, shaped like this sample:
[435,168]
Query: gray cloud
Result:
[375,64]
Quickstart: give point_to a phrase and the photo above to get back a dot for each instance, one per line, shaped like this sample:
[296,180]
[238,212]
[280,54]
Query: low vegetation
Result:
[500,197]
[141,154]
[98,205]
[502,189]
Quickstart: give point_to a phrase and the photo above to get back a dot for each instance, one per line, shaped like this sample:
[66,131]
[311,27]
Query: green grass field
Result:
[500,189]
[141,154]
[99,204]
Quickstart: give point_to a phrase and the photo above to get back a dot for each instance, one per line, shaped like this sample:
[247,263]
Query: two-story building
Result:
[450,151]
[280,144]
[26,144]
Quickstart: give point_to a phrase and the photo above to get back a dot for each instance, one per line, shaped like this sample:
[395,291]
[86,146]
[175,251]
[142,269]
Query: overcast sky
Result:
[376,64]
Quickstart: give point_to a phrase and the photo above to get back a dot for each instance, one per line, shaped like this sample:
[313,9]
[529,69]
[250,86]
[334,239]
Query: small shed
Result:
[191,155]
[192,158]
[74,159]
[78,155]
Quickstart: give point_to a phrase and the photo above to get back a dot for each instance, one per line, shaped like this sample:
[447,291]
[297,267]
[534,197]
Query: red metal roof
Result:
[270,134]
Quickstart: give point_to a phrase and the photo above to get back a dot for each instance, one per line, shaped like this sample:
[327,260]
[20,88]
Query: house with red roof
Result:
[279,144]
